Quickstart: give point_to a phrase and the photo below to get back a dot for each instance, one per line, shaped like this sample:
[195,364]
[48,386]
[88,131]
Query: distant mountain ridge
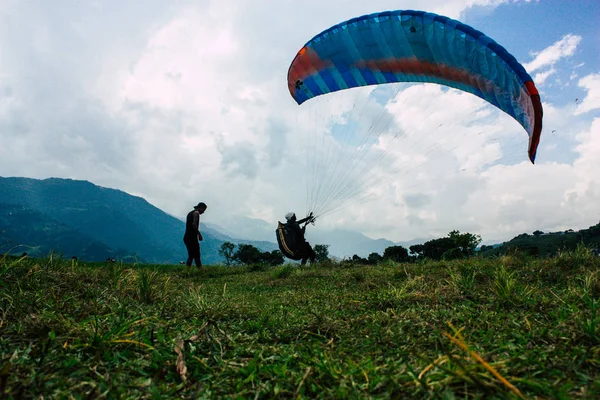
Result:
[128,226]
[116,222]
[78,218]
[24,230]
[342,243]
[544,244]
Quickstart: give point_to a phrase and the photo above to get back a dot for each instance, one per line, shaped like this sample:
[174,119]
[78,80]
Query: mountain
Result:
[225,235]
[546,244]
[78,218]
[408,243]
[342,243]
[103,222]
[114,221]
[246,228]
[24,230]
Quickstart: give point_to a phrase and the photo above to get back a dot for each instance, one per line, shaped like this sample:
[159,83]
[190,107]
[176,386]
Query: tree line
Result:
[247,254]
[547,244]
[455,245]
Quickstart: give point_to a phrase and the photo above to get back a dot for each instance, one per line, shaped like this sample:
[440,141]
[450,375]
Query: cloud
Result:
[563,48]
[417,200]
[187,102]
[239,159]
[502,198]
[591,84]
[276,147]
[541,77]
[584,195]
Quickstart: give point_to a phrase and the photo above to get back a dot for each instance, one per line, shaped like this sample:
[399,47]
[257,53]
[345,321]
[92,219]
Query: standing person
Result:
[192,236]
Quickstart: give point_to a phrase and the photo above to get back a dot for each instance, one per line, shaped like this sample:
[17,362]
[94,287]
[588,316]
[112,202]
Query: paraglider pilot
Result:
[304,247]
[192,236]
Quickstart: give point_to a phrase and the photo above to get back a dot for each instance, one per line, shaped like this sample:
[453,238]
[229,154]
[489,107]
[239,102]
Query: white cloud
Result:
[591,84]
[584,196]
[186,103]
[516,198]
[563,48]
[541,77]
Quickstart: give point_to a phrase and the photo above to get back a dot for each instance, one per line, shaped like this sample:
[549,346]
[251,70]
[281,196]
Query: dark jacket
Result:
[192,224]
[299,230]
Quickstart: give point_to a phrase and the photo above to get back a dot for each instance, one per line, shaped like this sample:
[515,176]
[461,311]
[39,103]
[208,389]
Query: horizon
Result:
[228,228]
[188,102]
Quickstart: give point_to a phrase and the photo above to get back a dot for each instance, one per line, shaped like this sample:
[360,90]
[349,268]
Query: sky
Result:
[187,101]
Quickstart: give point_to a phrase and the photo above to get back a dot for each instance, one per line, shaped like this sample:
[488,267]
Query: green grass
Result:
[512,327]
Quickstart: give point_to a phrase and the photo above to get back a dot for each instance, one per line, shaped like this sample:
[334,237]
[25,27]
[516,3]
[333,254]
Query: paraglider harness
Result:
[288,242]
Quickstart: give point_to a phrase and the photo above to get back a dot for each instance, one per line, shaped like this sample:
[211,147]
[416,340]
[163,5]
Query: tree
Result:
[528,249]
[247,254]
[273,258]
[396,253]
[538,233]
[453,254]
[374,258]
[466,243]
[434,249]
[417,250]
[322,252]
[358,259]
[226,251]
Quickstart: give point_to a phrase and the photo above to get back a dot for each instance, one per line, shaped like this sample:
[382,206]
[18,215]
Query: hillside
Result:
[345,244]
[130,223]
[78,218]
[24,230]
[546,244]
[342,243]
[108,216]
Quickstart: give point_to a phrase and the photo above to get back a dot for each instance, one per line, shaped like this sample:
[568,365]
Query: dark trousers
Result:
[193,248]
[307,253]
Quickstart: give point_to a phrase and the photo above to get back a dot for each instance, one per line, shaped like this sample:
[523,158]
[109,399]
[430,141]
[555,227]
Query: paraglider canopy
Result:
[417,46]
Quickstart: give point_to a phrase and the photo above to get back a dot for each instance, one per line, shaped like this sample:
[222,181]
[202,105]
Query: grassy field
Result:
[505,328]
